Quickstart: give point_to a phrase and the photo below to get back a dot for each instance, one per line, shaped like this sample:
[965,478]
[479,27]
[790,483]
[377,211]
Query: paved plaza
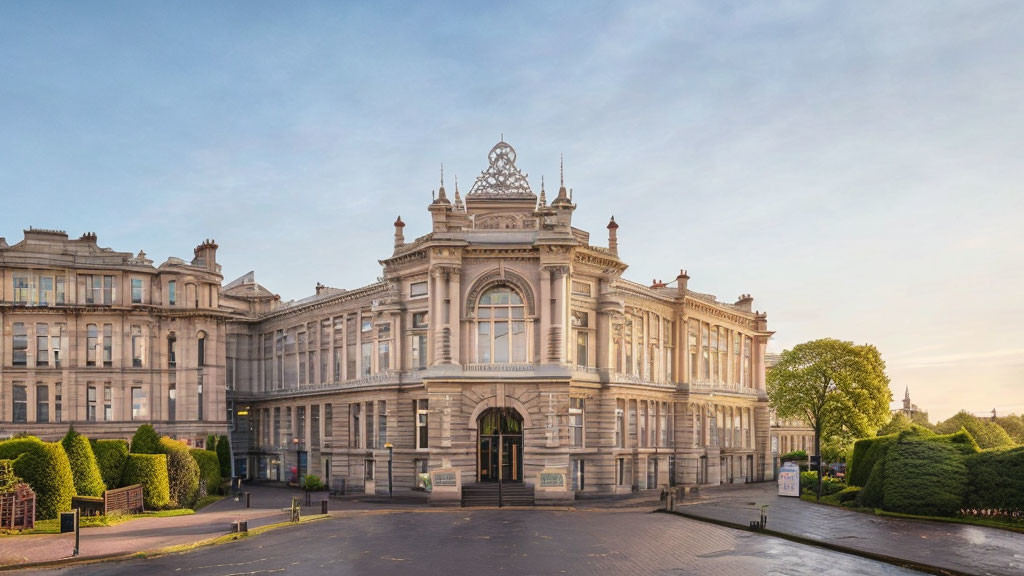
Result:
[463,541]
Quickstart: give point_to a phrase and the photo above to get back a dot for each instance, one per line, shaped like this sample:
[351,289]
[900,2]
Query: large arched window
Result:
[501,327]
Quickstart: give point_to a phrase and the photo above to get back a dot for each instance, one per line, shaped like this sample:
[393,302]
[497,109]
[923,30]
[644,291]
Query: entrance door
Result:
[500,446]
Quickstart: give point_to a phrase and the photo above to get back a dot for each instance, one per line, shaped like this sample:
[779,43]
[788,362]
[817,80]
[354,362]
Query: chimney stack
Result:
[206,255]
[613,238]
[399,235]
[681,281]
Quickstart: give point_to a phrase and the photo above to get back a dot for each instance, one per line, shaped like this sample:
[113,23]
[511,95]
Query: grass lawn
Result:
[52,526]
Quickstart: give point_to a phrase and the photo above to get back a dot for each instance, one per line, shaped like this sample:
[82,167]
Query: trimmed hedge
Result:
[866,453]
[924,477]
[182,473]
[995,479]
[88,480]
[111,456]
[145,441]
[209,471]
[224,456]
[150,470]
[211,443]
[44,466]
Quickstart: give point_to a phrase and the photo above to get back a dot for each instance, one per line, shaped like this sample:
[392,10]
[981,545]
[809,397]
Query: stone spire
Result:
[399,233]
[613,236]
[442,198]
[543,195]
[458,199]
[562,201]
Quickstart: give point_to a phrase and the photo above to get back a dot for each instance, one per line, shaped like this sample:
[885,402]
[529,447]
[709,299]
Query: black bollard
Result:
[323,506]
[248,503]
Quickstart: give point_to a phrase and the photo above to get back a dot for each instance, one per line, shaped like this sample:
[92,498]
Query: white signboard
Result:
[789,480]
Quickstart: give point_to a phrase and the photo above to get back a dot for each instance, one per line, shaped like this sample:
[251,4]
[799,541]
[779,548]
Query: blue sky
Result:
[856,167]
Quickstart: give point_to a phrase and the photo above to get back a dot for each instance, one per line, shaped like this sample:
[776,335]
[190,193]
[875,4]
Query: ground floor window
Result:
[576,474]
[419,466]
[620,472]
[652,473]
[20,404]
[671,470]
[370,469]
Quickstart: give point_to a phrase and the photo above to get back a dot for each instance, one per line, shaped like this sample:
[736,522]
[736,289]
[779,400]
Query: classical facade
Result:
[501,342]
[105,340]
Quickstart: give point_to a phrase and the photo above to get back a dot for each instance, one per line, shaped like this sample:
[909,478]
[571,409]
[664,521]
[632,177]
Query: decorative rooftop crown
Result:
[502,179]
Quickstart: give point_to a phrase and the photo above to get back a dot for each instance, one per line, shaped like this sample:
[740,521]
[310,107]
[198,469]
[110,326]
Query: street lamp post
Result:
[391,457]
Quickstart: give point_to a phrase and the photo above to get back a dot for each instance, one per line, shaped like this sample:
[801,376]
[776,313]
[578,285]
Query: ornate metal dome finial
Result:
[502,179]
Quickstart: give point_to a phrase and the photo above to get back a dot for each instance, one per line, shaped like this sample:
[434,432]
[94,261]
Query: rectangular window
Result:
[663,425]
[314,425]
[21,290]
[483,339]
[138,347]
[277,426]
[383,356]
[736,370]
[108,289]
[58,343]
[172,293]
[643,424]
[90,403]
[58,413]
[620,472]
[199,399]
[620,423]
[108,345]
[417,289]
[172,398]
[356,425]
[19,355]
[45,290]
[42,344]
[652,473]
[705,372]
[370,469]
[140,405]
[172,352]
[382,423]
[325,370]
[632,424]
[300,423]
[328,420]
[576,422]
[61,295]
[350,363]
[419,320]
[136,291]
[20,404]
[422,416]
[746,361]
[338,359]
[108,404]
[91,343]
[367,358]
[42,404]
[582,347]
[366,326]
[302,368]
[576,474]
[369,426]
[692,341]
[419,351]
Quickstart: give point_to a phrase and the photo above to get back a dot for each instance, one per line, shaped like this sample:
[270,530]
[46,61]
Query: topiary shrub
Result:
[211,443]
[874,489]
[88,480]
[145,441]
[111,456]
[150,470]
[44,466]
[866,453]
[182,473]
[924,477]
[224,456]
[209,471]
[995,479]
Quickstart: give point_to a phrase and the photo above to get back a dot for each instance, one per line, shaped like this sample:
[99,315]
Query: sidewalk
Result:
[269,506]
[960,548]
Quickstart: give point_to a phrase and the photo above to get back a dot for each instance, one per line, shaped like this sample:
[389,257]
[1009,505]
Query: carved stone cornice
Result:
[555,270]
[708,310]
[606,264]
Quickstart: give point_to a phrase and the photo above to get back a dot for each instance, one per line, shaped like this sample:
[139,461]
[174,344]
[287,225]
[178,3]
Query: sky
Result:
[856,167]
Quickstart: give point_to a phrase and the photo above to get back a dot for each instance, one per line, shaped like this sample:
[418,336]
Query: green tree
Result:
[224,456]
[839,389]
[211,443]
[986,433]
[898,423]
[145,441]
[921,419]
[1014,426]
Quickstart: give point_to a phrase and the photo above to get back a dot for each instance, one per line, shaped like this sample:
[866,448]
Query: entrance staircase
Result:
[486,494]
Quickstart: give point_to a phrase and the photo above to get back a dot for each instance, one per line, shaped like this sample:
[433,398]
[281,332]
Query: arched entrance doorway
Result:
[500,445]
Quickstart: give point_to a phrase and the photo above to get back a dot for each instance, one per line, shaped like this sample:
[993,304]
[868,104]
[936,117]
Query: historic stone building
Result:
[105,341]
[500,343]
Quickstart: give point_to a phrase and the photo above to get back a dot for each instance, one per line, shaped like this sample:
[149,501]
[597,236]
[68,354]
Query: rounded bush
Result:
[88,480]
[111,456]
[145,441]
[44,466]
[150,470]
[224,456]
[996,479]
[182,473]
[209,470]
[866,453]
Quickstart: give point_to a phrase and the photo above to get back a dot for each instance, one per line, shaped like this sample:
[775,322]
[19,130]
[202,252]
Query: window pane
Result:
[519,342]
[501,342]
[483,352]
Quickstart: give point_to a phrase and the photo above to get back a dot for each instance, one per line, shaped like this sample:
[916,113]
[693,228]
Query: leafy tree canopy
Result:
[987,433]
[898,423]
[838,388]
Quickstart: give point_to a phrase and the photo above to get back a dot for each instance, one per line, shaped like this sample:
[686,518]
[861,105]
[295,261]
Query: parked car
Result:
[836,470]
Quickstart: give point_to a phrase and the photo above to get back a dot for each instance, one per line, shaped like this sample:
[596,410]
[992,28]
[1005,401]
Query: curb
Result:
[901,562]
[156,552]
